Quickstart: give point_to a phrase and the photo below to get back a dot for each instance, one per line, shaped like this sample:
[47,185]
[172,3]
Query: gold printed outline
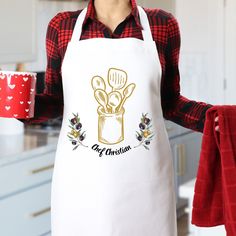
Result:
[111,105]
[118,70]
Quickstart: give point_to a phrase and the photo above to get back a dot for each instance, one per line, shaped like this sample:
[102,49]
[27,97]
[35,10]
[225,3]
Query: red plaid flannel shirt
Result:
[166,34]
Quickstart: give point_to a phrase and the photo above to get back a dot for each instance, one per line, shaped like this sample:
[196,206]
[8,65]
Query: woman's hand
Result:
[217,126]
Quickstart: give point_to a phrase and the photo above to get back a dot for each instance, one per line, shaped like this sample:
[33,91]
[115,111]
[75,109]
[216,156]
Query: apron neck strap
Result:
[146,32]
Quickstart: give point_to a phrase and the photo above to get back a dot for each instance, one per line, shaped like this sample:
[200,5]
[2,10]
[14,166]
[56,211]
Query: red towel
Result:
[214,201]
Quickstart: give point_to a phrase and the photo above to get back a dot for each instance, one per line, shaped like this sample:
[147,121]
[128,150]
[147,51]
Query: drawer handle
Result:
[181,160]
[41,212]
[36,171]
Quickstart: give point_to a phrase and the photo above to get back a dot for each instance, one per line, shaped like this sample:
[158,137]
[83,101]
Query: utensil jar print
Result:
[111,105]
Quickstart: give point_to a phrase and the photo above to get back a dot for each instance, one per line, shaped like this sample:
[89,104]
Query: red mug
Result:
[17,94]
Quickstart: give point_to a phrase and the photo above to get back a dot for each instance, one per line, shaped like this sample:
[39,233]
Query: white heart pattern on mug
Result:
[22,85]
[9,97]
[7,107]
[20,92]
[2,76]
[32,89]
[26,110]
[11,86]
[29,102]
[15,115]
[25,79]
[21,102]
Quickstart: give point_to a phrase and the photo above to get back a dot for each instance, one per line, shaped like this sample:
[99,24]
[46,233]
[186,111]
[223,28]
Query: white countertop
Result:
[15,148]
[32,142]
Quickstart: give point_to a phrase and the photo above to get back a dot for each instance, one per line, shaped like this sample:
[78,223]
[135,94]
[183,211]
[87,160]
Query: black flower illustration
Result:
[76,135]
[144,135]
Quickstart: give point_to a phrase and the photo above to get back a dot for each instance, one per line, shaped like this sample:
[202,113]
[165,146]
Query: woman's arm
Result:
[49,104]
[177,108]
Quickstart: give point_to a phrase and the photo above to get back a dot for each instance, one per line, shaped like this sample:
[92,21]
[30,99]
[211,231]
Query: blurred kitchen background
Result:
[208,72]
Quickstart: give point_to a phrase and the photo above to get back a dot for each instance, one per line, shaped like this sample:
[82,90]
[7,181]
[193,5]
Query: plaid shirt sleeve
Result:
[176,107]
[49,104]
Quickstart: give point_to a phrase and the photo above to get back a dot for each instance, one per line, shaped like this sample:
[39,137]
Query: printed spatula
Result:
[117,78]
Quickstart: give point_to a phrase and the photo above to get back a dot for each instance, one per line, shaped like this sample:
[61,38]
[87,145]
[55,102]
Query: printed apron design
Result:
[144,135]
[113,172]
[76,135]
[111,110]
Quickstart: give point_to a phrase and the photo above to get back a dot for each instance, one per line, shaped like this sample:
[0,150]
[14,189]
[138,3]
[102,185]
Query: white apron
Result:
[113,172]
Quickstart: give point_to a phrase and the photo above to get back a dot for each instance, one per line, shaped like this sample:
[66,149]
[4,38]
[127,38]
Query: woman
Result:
[113,74]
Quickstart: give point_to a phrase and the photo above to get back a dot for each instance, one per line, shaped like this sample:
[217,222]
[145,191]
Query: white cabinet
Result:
[186,153]
[186,146]
[25,174]
[26,213]
[25,188]
[17,31]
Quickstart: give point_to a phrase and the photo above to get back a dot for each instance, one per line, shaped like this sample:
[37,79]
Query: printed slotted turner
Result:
[117,78]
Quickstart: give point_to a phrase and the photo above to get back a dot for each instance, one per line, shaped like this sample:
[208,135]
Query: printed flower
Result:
[144,135]
[76,135]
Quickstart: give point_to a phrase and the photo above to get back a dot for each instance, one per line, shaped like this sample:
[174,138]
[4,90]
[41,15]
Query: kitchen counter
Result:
[15,148]
[36,141]
[26,169]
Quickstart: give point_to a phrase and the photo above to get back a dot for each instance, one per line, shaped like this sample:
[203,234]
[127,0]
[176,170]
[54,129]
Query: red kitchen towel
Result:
[214,201]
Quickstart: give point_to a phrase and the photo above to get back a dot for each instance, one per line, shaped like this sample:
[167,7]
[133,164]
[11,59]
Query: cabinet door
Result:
[17,24]
[186,153]
[26,213]
[26,173]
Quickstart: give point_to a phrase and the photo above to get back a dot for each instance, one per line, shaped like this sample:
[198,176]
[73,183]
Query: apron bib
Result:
[113,173]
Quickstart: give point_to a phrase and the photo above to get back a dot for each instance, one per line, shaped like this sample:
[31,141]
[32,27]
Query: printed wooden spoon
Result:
[114,99]
[117,78]
[102,98]
[98,83]
[127,93]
